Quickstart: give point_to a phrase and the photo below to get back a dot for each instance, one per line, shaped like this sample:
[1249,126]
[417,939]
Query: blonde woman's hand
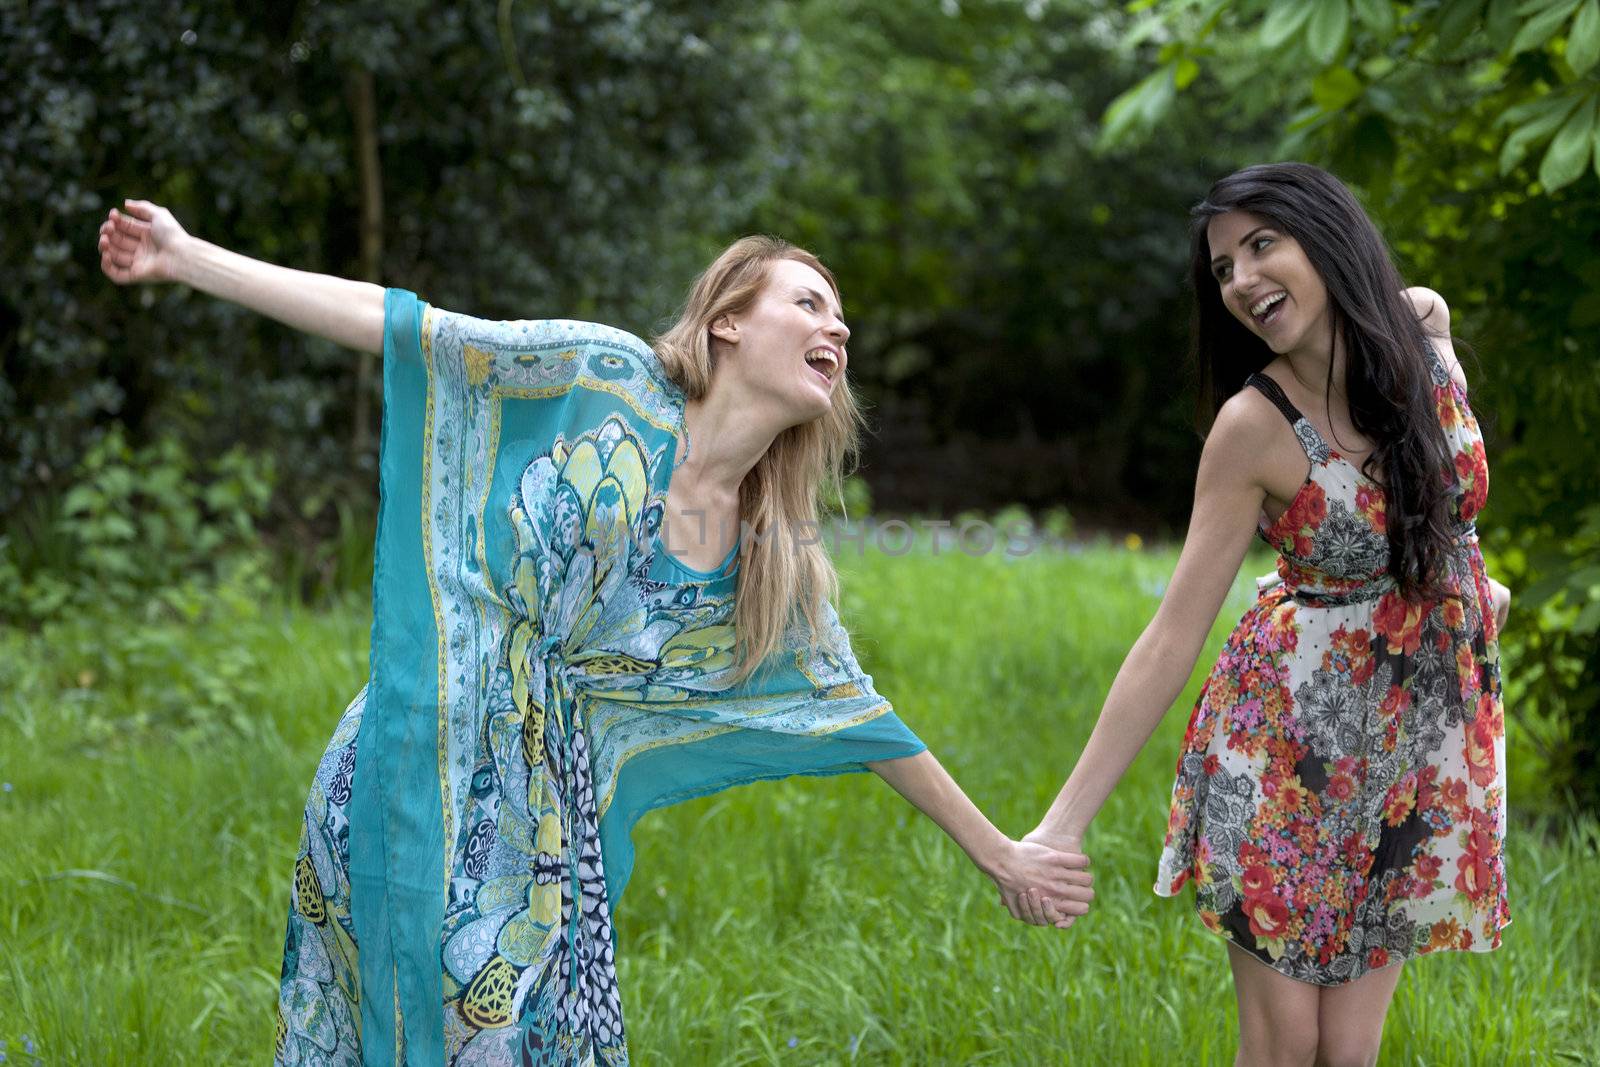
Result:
[1502,604]
[141,243]
[1044,886]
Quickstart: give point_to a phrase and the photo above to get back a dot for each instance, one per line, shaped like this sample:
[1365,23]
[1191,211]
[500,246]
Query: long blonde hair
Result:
[785,576]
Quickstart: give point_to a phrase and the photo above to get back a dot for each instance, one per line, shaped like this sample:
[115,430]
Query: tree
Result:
[574,157]
[998,268]
[1473,129]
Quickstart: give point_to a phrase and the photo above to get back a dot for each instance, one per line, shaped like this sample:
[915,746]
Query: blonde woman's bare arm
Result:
[143,243]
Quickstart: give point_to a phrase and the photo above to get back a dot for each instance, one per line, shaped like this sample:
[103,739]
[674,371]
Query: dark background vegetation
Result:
[1010,250]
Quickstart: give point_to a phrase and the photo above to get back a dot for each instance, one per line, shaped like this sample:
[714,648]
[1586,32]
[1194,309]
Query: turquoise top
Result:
[542,674]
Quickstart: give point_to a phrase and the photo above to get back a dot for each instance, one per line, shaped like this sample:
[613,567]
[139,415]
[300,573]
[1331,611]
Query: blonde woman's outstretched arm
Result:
[143,243]
[1026,874]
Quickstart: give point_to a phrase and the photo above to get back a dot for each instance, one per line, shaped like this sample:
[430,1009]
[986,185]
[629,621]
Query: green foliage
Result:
[824,911]
[1473,129]
[536,159]
[1406,66]
[997,268]
[137,529]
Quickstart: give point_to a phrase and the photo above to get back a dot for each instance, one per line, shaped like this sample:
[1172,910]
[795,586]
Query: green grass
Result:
[157,776]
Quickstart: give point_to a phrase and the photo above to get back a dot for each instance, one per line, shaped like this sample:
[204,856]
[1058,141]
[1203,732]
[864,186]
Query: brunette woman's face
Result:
[1267,283]
[789,344]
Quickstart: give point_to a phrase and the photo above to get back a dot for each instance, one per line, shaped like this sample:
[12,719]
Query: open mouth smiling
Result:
[1266,310]
[825,362]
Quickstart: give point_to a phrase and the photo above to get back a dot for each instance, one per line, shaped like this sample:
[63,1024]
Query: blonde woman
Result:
[568,630]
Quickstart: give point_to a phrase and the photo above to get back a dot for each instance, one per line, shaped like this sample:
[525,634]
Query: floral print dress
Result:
[1340,799]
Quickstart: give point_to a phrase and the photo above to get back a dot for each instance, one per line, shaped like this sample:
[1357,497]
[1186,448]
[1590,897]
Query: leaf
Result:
[1378,15]
[1330,24]
[1336,87]
[80,500]
[1187,70]
[1583,43]
[1283,22]
[1137,108]
[1541,27]
[1597,162]
[1539,118]
[1530,7]
[1568,155]
[1500,23]
[1456,23]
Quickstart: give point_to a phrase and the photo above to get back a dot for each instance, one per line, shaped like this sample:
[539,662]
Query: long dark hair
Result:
[1388,376]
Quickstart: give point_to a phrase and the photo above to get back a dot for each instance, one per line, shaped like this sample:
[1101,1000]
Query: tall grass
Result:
[145,861]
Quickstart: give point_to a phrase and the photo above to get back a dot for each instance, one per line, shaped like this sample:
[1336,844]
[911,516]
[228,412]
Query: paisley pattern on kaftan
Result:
[543,673]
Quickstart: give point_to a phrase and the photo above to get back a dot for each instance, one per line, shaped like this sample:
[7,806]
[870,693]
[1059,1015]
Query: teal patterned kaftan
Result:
[542,674]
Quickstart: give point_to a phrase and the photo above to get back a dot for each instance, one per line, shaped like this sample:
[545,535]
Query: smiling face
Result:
[789,344]
[1267,283]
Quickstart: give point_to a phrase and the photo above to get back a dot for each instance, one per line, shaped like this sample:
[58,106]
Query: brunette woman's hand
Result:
[141,243]
[1043,886]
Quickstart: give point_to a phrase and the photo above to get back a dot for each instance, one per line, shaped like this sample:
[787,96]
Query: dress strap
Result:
[1316,448]
[1436,368]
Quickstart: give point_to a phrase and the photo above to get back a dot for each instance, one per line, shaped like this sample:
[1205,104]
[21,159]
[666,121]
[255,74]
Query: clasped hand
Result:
[1045,882]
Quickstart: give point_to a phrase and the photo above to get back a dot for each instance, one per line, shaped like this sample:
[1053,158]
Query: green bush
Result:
[138,531]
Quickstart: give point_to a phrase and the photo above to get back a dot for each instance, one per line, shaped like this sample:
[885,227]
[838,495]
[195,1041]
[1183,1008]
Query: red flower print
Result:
[1399,622]
[1427,787]
[1177,819]
[1268,915]
[1316,506]
[1378,957]
[1300,521]
[1472,471]
[1257,879]
[1341,787]
[1479,750]
[1474,876]
[1455,615]
[1370,503]
[1350,651]
[1428,866]
[1449,413]
[1490,711]
[1401,798]
[1251,854]
[1443,934]
[1395,702]
[1454,795]
[1467,671]
[1211,764]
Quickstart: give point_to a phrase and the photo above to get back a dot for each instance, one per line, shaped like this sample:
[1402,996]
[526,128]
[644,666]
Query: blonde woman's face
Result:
[789,345]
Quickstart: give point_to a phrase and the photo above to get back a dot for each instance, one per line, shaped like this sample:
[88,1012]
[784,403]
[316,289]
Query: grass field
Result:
[153,780]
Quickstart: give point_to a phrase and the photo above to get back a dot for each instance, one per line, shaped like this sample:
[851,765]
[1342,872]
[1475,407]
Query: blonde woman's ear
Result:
[724,329]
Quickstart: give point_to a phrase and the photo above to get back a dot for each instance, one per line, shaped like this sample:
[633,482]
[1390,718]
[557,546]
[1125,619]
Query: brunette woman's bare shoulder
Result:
[1254,439]
[1434,313]
[1431,309]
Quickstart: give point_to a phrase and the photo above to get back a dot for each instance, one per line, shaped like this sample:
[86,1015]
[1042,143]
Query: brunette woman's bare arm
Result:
[1235,470]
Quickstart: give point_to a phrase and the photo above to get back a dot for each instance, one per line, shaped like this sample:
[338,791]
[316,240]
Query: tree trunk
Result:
[364,111]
